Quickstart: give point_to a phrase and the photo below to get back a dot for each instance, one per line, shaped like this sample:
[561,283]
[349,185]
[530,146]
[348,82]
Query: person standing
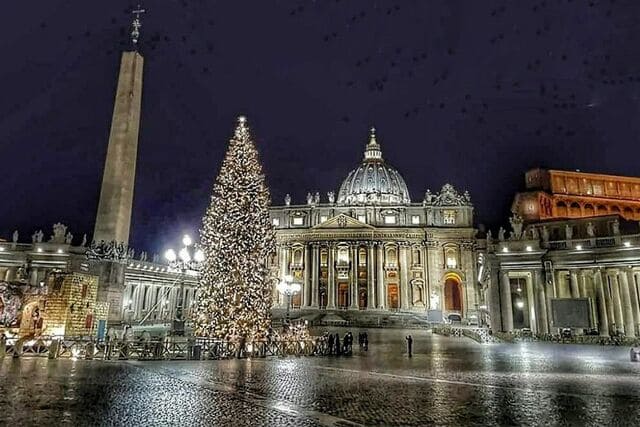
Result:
[330,344]
[365,341]
[409,339]
[338,349]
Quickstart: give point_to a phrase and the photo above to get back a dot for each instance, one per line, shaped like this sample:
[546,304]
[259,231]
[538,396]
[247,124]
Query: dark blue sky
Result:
[472,93]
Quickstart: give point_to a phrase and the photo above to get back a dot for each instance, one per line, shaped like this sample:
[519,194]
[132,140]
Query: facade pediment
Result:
[342,221]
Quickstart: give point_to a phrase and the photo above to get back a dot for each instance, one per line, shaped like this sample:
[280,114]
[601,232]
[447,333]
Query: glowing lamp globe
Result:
[186,240]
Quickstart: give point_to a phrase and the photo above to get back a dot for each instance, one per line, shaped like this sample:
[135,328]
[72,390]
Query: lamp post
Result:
[288,288]
[188,258]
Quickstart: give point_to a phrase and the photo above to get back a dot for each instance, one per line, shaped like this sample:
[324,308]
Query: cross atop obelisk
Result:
[116,196]
[136,25]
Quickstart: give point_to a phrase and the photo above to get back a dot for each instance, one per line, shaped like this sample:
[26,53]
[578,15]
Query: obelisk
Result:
[113,219]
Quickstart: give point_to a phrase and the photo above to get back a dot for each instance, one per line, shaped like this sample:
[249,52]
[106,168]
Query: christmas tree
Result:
[237,238]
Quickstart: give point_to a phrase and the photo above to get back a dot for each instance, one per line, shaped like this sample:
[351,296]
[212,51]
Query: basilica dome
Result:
[374,181]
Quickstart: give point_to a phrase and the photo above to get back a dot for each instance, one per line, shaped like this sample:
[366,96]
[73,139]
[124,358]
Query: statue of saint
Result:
[15,236]
[501,232]
[331,196]
[545,234]
[287,199]
[591,230]
[568,232]
[615,227]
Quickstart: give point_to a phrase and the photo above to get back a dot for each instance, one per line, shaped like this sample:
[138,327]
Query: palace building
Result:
[372,248]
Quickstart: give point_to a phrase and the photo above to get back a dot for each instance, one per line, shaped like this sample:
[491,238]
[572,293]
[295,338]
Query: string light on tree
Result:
[237,238]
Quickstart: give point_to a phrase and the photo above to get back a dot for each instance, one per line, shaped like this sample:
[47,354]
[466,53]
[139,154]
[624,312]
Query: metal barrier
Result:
[167,349]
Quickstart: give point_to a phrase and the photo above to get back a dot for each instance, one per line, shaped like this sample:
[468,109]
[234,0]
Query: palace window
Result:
[276,222]
[362,218]
[415,219]
[389,219]
[449,217]
[298,220]
[323,218]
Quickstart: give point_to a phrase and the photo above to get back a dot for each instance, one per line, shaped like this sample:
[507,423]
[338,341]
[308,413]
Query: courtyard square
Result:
[448,381]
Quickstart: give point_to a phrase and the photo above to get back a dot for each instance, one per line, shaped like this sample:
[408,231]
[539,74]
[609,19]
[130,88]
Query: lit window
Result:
[415,219]
[323,218]
[449,217]
[451,262]
[276,222]
[362,218]
[297,220]
[389,219]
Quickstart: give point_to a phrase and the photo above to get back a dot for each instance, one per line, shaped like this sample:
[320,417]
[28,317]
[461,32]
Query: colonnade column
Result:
[371,271]
[629,325]
[582,280]
[635,303]
[404,275]
[538,285]
[494,299]
[10,274]
[615,296]
[575,289]
[381,294]
[306,293]
[601,302]
[353,303]
[315,287]
[331,285]
[506,305]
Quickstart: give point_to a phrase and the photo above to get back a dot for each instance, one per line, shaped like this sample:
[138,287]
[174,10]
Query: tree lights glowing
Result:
[236,238]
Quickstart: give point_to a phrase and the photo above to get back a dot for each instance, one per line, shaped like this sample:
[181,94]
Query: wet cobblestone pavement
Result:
[448,381]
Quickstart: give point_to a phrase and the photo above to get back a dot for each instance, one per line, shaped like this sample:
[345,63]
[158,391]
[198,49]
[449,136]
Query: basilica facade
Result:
[372,248]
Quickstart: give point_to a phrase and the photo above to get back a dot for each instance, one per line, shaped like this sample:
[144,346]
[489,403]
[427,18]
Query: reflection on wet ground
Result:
[448,381]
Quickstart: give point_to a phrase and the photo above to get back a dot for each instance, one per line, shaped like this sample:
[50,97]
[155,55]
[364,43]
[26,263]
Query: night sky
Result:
[472,93]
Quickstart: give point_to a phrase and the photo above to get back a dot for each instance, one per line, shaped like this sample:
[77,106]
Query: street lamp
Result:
[288,288]
[187,258]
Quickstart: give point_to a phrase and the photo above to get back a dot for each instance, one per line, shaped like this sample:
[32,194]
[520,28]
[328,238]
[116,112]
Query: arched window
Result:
[589,210]
[561,209]
[415,255]
[574,210]
[392,257]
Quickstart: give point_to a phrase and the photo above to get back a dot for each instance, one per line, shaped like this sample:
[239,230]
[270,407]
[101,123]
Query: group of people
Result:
[333,345]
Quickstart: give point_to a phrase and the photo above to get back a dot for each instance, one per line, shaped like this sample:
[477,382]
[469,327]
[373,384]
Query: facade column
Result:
[331,283]
[627,312]
[381,294]
[404,275]
[494,299]
[635,302]
[505,303]
[353,303]
[575,289]
[306,293]
[615,296]
[582,281]
[315,285]
[608,302]
[371,271]
[541,312]
[601,302]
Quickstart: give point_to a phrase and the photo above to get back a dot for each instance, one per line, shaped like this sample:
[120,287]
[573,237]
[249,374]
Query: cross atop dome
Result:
[372,151]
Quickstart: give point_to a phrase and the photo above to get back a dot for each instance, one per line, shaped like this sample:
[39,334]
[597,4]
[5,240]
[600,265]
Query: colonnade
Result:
[614,294]
[160,299]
